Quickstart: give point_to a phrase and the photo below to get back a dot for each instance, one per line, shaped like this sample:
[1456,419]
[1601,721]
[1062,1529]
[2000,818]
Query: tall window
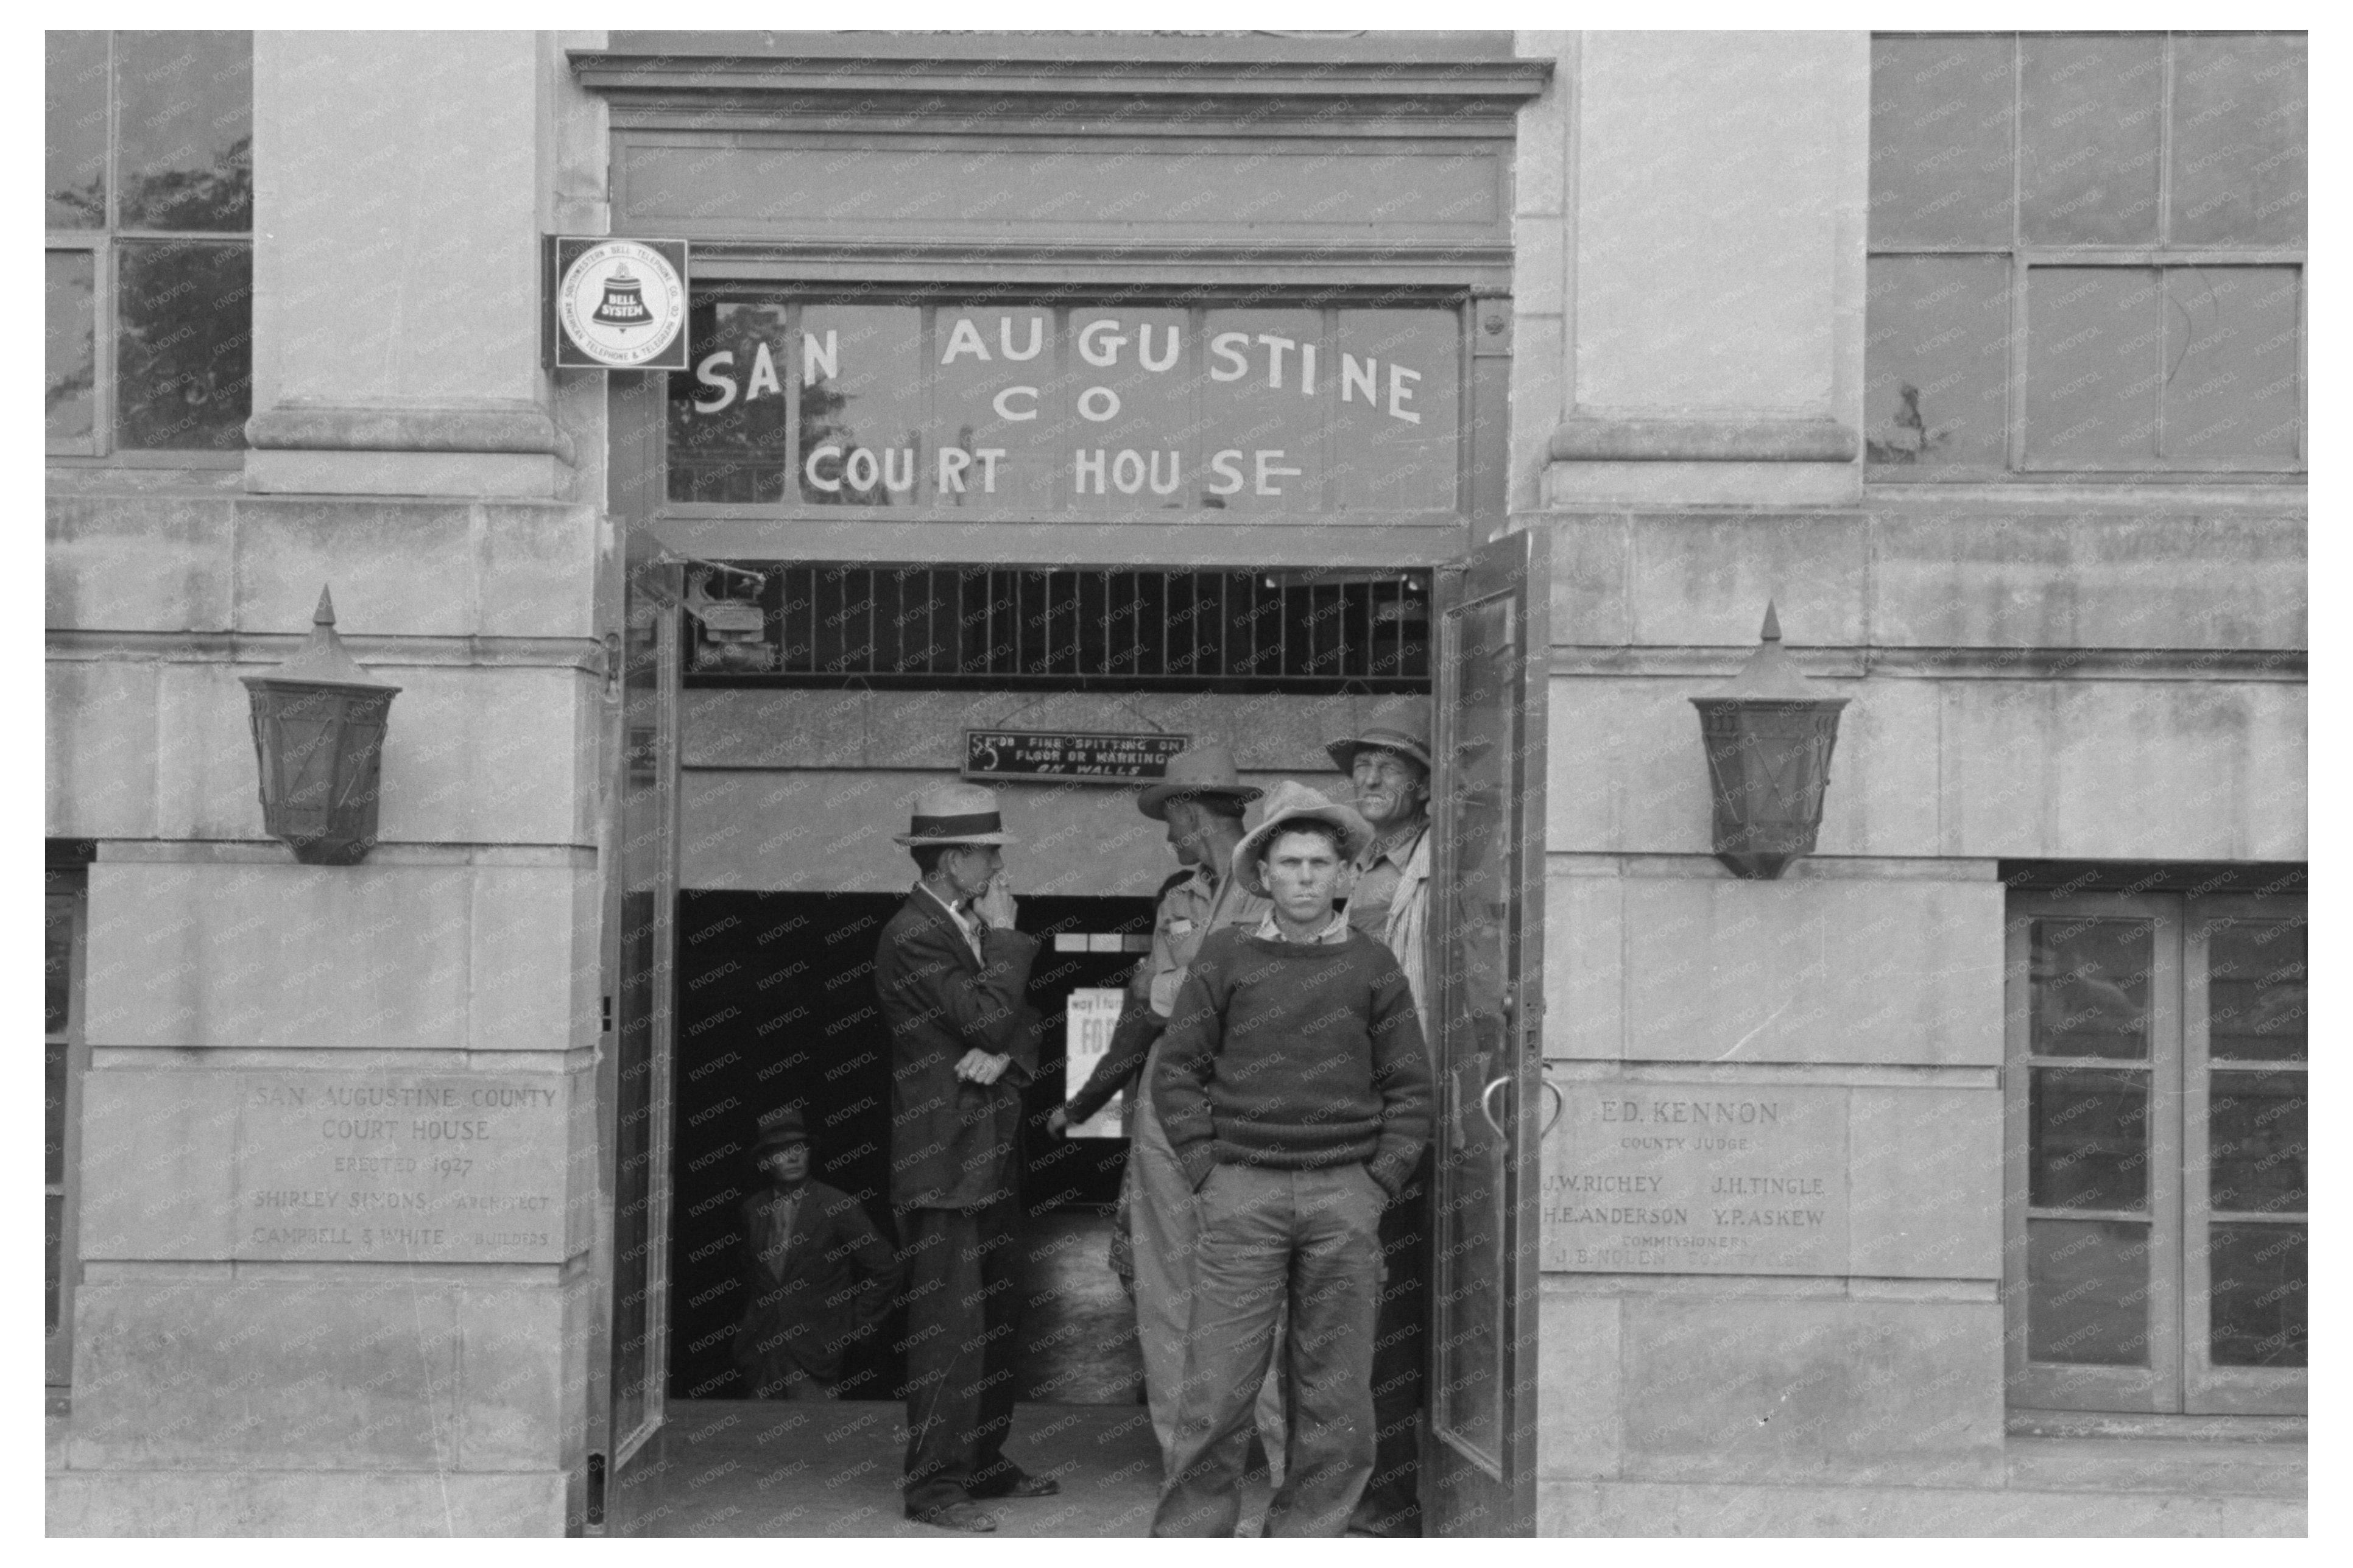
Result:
[2086,256]
[2158,1207]
[149,262]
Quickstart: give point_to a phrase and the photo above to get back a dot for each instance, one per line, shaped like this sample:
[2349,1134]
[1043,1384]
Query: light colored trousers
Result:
[1165,1220]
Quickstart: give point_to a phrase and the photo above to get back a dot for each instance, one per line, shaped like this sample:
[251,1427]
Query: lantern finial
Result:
[324,616]
[1772,632]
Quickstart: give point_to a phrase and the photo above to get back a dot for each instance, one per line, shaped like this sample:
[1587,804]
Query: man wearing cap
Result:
[1388,765]
[1201,799]
[820,1276]
[1294,1089]
[951,973]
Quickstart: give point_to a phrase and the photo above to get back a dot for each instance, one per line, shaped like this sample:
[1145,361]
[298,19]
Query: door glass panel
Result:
[2087,1284]
[2091,988]
[1937,361]
[186,120]
[2238,139]
[76,178]
[2257,1305]
[2254,990]
[1474,1255]
[2088,126]
[2087,1139]
[2256,1141]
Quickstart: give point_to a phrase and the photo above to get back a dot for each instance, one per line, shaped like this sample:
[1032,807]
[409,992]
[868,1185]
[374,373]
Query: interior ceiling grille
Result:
[947,627]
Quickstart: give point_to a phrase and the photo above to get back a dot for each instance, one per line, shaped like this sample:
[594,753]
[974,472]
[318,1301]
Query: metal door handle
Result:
[1487,1106]
[1560,1104]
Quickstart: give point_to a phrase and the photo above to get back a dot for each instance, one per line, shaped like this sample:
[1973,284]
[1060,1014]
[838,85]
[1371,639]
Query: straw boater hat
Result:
[1197,769]
[1407,737]
[779,1127]
[1291,801]
[955,813]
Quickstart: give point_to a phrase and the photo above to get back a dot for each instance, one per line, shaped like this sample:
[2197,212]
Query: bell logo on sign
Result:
[620,304]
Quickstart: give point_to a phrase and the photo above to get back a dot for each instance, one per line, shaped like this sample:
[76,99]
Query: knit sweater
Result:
[1295,1055]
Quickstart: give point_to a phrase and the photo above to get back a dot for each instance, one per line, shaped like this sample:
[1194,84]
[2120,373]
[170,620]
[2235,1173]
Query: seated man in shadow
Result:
[821,1277]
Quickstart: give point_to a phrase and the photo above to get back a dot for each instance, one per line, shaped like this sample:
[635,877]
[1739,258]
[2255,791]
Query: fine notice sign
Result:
[1086,758]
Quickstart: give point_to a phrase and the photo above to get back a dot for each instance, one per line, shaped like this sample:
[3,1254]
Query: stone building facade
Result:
[1949,1182]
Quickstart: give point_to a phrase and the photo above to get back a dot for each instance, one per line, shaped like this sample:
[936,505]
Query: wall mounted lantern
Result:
[1768,736]
[318,729]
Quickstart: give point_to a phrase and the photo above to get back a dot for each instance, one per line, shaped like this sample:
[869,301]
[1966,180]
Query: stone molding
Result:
[491,429]
[1722,439]
[653,78]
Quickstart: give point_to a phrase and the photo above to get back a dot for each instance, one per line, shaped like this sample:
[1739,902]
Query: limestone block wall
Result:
[2053,681]
[338,1189]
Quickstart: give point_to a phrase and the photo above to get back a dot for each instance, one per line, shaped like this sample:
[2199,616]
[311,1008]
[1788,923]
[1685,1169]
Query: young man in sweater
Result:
[1293,1087]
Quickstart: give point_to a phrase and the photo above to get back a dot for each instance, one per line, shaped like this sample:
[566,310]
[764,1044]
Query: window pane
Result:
[2090,984]
[1941,110]
[2087,1139]
[1938,361]
[867,400]
[974,398]
[1255,407]
[2255,991]
[72,385]
[2092,366]
[2238,140]
[2088,128]
[727,432]
[2255,1140]
[2088,1293]
[1379,459]
[183,354]
[2256,1313]
[76,187]
[2230,389]
[186,120]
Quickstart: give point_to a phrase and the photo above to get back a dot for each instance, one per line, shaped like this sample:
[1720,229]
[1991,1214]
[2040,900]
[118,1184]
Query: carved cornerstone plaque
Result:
[1716,1178]
[460,1168]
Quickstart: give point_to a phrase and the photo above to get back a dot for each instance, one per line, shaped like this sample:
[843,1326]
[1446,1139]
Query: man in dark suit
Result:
[820,1276]
[951,973]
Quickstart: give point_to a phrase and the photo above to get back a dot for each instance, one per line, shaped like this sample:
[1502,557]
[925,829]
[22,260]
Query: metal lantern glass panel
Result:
[1768,736]
[319,724]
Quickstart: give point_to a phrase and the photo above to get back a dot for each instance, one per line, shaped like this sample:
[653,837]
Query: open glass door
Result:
[645,896]
[1489,1017]
[639,850]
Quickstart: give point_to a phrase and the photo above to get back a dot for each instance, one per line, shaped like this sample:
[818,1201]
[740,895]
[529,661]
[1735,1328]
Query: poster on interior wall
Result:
[1079,757]
[1092,1014]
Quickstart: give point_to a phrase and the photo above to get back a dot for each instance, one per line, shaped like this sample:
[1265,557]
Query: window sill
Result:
[2162,1428]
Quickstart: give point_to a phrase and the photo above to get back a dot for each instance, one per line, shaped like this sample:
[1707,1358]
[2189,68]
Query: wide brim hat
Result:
[779,1127]
[1407,738]
[955,813]
[1294,802]
[1197,769]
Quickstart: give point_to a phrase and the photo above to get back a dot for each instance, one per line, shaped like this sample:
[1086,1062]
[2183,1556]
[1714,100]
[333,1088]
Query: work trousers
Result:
[1164,1220]
[964,1307]
[1307,1241]
[1392,1502]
